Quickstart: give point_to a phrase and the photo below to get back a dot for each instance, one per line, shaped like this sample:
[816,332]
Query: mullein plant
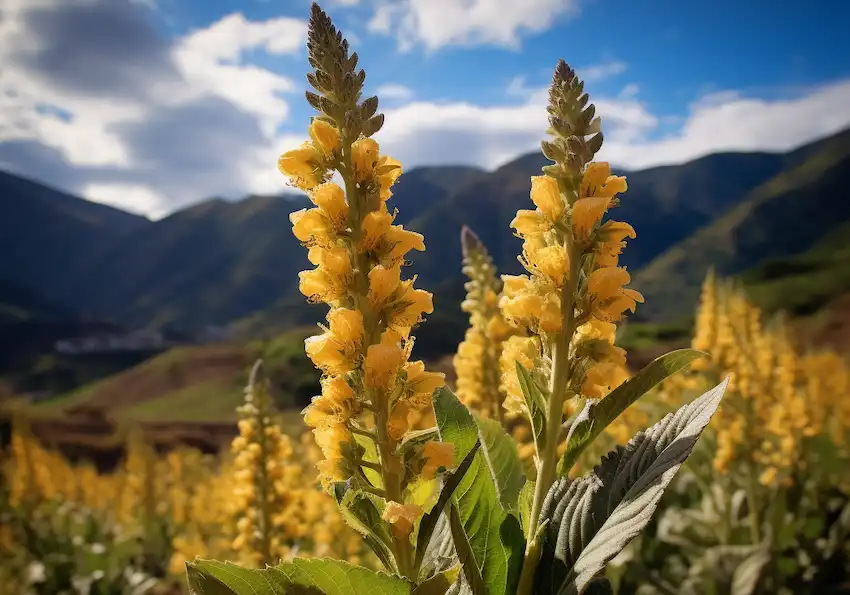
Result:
[450,509]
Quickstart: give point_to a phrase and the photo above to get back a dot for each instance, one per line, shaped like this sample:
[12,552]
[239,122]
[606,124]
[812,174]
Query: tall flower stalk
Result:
[574,290]
[369,384]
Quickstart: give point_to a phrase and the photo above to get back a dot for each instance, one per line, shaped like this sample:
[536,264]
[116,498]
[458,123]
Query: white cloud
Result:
[598,72]
[441,133]
[143,122]
[394,91]
[731,122]
[439,23]
[139,199]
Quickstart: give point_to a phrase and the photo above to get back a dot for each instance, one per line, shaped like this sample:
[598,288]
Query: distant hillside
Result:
[222,262]
[192,384]
[45,234]
[784,216]
[205,265]
[20,304]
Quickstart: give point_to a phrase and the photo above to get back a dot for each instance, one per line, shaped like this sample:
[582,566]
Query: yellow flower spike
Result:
[364,157]
[437,455]
[330,199]
[324,135]
[547,197]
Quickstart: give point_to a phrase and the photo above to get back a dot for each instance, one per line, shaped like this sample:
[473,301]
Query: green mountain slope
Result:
[784,216]
[206,265]
[45,234]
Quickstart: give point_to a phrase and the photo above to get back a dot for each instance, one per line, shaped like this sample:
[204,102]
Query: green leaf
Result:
[429,520]
[597,415]
[526,501]
[468,564]
[535,400]
[593,518]
[455,423]
[440,554]
[299,577]
[495,536]
[502,457]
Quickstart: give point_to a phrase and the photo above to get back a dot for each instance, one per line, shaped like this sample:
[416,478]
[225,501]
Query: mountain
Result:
[783,216]
[218,261]
[664,204]
[45,234]
[205,265]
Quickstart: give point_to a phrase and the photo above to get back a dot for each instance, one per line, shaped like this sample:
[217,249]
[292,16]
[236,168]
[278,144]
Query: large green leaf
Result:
[597,415]
[494,536]
[593,518]
[535,400]
[502,457]
[299,577]
[468,563]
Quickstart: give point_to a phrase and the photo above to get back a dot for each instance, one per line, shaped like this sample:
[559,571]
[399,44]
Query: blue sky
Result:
[152,105]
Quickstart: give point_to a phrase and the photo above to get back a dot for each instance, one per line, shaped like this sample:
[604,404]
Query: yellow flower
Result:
[598,181]
[383,281]
[609,299]
[529,222]
[420,385]
[389,171]
[329,282]
[552,261]
[330,199]
[302,166]
[334,351]
[610,242]
[401,241]
[312,226]
[522,350]
[402,517]
[325,136]
[398,423]
[375,226]
[437,455]
[585,214]
[547,197]
[413,303]
[364,156]
[383,361]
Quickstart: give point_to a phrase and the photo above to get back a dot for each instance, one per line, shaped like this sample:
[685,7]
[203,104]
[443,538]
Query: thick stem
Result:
[755,523]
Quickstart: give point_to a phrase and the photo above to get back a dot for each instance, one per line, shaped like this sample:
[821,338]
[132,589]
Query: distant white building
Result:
[137,340]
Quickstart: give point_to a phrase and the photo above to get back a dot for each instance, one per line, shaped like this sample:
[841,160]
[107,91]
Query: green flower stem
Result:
[554,417]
